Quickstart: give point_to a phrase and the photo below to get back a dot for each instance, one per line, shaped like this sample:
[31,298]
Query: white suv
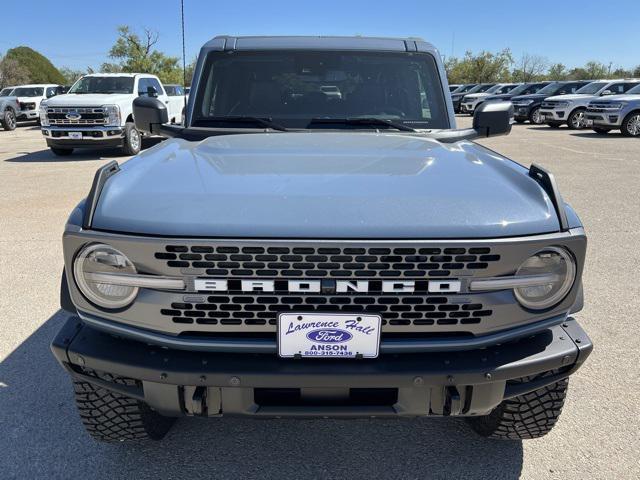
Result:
[98,112]
[570,109]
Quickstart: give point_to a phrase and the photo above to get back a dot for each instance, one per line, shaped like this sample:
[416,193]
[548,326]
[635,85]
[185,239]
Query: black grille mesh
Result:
[263,309]
[329,262]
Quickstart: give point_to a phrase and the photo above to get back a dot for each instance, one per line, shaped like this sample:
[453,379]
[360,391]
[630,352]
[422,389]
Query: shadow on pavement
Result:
[42,437]
[46,156]
[596,136]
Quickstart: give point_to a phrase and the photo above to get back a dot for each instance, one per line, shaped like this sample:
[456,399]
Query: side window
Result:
[170,89]
[628,86]
[153,82]
[618,88]
[142,87]
[52,92]
[179,91]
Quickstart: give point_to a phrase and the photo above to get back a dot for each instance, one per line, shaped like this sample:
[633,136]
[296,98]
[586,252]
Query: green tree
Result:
[530,68]
[135,54]
[482,67]
[38,67]
[12,73]
[596,70]
[70,75]
[557,71]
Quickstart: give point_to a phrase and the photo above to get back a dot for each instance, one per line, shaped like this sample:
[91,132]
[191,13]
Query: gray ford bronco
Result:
[319,240]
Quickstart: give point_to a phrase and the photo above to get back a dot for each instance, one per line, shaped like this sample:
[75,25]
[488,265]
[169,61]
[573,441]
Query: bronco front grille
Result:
[263,308]
[322,262]
[80,115]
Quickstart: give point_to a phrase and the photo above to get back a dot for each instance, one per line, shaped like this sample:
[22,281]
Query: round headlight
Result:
[97,259]
[561,268]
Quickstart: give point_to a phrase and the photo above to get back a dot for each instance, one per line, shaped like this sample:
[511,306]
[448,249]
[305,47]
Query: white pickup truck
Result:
[97,112]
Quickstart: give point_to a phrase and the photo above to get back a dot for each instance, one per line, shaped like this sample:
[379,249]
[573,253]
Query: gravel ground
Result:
[597,436]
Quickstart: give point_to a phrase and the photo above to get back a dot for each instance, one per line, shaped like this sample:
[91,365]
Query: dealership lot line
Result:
[597,435]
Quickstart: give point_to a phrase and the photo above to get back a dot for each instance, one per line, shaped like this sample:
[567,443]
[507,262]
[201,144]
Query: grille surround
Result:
[88,115]
[145,312]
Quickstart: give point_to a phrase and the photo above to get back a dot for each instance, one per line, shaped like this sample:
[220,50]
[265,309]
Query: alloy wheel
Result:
[633,125]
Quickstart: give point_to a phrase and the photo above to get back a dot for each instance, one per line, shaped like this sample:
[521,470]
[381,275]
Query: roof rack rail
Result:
[548,183]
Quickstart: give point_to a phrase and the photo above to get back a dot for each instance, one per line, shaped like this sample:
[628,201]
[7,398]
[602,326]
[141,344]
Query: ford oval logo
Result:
[329,336]
[73,116]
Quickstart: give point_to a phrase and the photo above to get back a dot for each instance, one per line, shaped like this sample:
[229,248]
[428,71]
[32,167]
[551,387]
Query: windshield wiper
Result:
[263,122]
[363,121]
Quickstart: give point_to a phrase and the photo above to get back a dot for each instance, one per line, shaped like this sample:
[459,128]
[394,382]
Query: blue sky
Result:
[78,33]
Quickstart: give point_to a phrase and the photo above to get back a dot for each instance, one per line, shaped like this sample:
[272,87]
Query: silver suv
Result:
[616,112]
[570,109]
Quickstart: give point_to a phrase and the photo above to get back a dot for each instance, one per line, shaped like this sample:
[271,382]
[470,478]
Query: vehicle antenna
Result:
[184,60]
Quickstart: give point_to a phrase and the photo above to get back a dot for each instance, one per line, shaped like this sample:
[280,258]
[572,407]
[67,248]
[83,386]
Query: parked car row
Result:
[577,104]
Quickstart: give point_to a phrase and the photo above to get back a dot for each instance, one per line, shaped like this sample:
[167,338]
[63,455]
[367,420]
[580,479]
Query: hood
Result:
[323,185]
[87,100]
[634,97]
[572,96]
[476,95]
[531,96]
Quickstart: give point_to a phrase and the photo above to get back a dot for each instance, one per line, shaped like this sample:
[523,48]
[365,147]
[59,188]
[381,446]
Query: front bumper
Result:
[605,118]
[178,382]
[24,115]
[468,107]
[521,112]
[85,137]
[554,116]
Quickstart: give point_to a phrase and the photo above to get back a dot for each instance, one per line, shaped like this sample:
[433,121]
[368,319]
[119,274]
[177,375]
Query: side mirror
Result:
[152,92]
[606,92]
[149,114]
[493,118]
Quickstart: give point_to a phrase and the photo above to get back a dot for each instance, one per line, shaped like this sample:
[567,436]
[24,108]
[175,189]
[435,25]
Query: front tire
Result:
[132,140]
[631,125]
[62,152]
[9,121]
[535,117]
[576,120]
[111,417]
[531,415]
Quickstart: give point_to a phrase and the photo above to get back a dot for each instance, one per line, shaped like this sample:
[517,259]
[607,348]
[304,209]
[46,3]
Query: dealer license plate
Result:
[75,135]
[328,335]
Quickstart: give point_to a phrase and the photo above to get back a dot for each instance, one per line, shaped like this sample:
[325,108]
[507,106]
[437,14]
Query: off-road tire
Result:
[8,120]
[531,415]
[111,417]
[627,125]
[602,131]
[572,121]
[62,152]
[132,140]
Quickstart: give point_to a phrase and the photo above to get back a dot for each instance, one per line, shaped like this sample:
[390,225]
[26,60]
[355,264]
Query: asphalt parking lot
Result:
[597,436]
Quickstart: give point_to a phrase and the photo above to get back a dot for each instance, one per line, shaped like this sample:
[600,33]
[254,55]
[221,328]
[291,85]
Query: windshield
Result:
[493,89]
[28,92]
[591,88]
[5,92]
[294,87]
[103,85]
